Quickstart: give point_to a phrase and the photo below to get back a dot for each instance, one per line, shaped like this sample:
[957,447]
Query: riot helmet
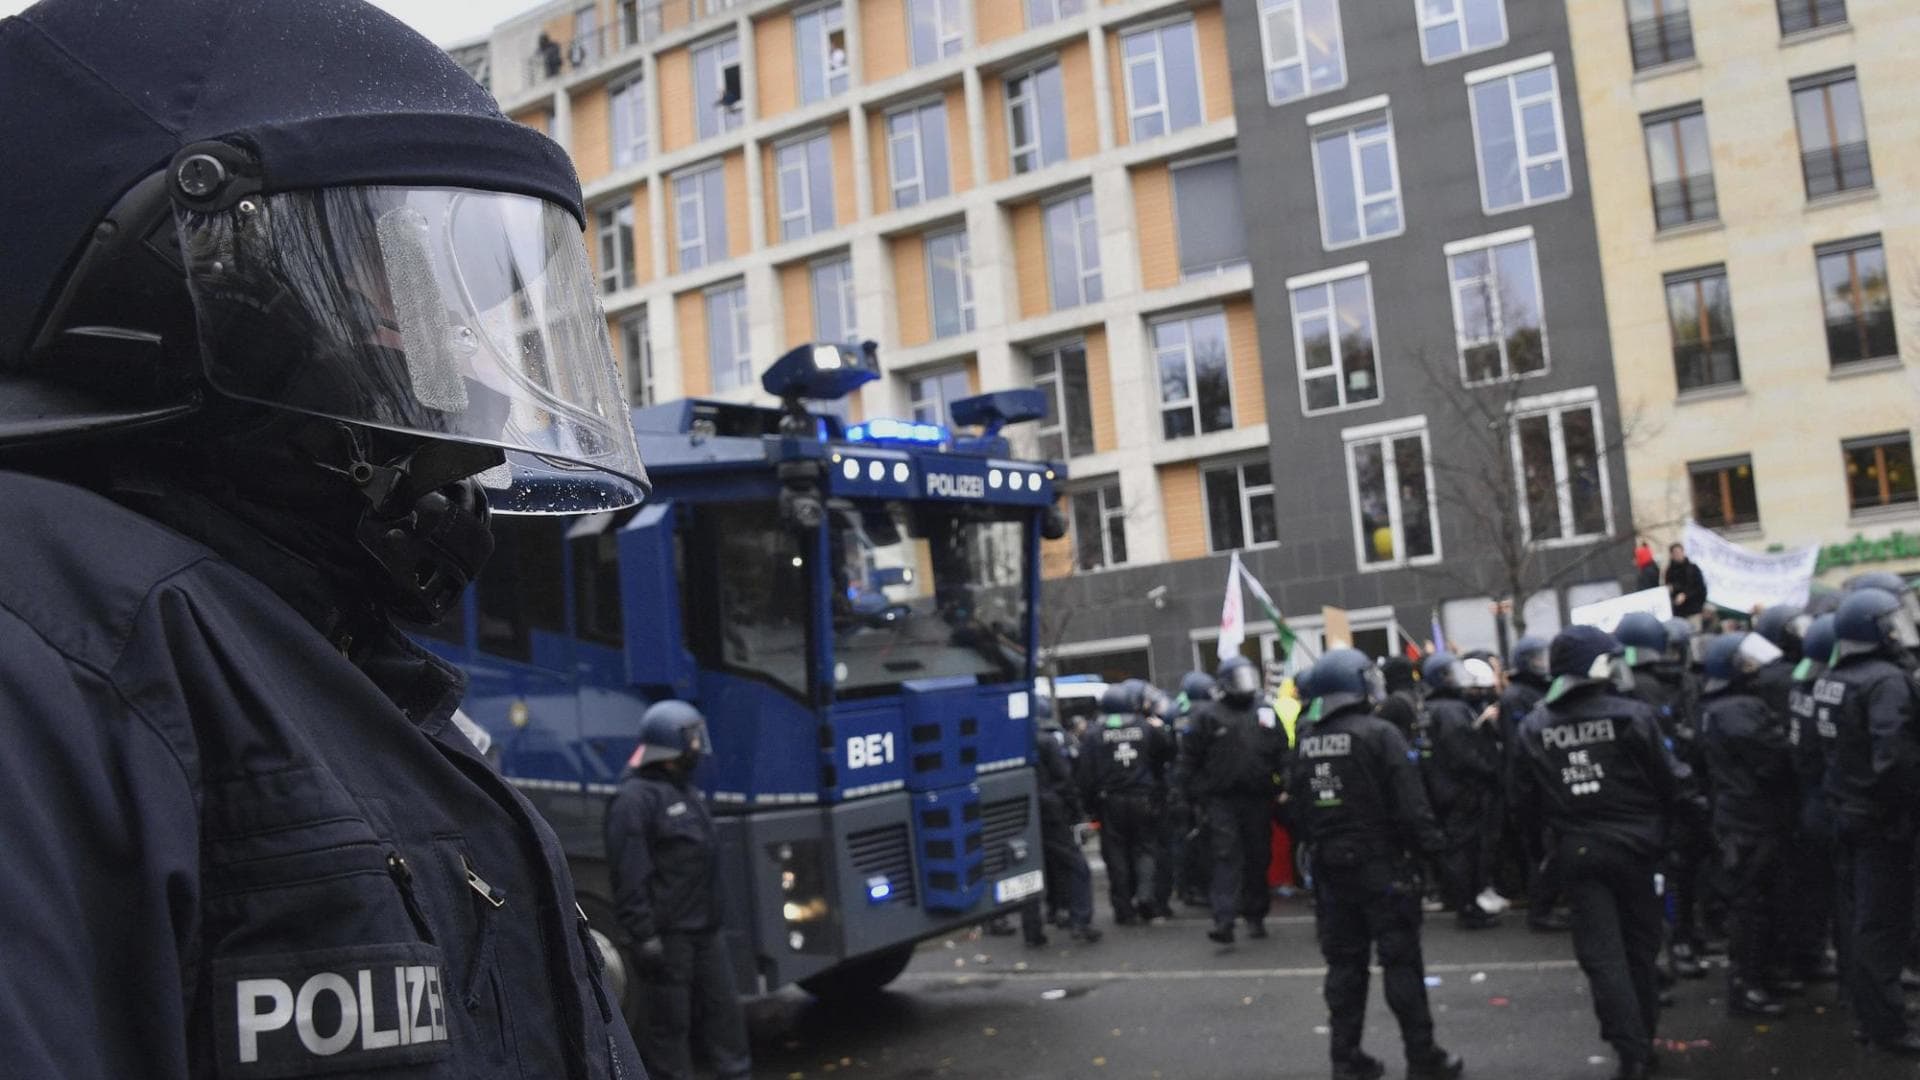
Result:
[1481,683]
[1871,621]
[1197,686]
[670,731]
[1587,656]
[1530,659]
[1344,679]
[1238,681]
[1785,625]
[1126,698]
[1732,659]
[1682,646]
[1889,582]
[1646,641]
[1817,648]
[1443,674]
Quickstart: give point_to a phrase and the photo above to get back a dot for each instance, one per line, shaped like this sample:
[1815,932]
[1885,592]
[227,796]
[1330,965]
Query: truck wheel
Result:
[860,978]
[623,971]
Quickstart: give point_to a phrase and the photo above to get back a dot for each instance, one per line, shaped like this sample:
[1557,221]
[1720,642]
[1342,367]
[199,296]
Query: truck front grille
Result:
[1002,821]
[886,850]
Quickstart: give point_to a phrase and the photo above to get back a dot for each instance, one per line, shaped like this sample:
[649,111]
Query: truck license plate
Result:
[1018,887]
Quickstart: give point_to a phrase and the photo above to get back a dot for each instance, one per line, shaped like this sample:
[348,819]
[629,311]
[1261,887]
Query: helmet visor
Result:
[447,313]
[1242,681]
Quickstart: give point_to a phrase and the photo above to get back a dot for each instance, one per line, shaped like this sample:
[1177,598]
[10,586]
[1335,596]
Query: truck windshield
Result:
[924,592]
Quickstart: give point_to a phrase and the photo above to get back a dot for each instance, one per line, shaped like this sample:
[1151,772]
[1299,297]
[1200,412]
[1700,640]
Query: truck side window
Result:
[746,593]
[520,589]
[596,581]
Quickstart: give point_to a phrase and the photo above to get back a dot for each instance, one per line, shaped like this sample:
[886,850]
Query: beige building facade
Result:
[1756,188]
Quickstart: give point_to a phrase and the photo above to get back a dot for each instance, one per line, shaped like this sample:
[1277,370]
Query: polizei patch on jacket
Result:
[344,1010]
[1582,733]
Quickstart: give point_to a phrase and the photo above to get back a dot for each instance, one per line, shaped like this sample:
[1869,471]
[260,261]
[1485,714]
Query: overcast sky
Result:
[446,22]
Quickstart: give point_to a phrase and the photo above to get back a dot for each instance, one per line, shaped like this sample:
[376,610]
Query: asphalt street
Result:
[1162,1002]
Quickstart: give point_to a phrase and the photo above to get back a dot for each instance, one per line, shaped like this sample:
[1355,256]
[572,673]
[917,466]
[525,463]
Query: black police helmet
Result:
[1643,634]
[1781,624]
[1530,657]
[1124,698]
[1884,580]
[1345,679]
[1818,645]
[1576,651]
[670,731]
[1442,673]
[1238,680]
[1870,620]
[1733,658]
[1197,685]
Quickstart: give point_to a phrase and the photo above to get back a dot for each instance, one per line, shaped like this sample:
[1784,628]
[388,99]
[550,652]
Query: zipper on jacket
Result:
[487,892]
[403,877]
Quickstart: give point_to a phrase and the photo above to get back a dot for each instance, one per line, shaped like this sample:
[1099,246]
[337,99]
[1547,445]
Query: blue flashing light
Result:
[879,889]
[1078,679]
[885,430]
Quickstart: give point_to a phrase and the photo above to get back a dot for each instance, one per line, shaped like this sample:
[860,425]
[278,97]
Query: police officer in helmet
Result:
[664,860]
[1810,924]
[1593,764]
[1527,684]
[1192,854]
[1355,795]
[1123,762]
[1462,777]
[1235,751]
[1069,879]
[286,307]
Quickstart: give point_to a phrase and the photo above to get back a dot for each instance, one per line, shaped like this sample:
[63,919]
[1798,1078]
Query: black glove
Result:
[651,953]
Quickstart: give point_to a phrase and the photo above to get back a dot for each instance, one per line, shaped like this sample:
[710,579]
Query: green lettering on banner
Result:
[1899,545]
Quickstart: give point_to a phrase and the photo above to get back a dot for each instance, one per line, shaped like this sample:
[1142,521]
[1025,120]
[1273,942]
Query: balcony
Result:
[1700,365]
[1686,201]
[1867,336]
[1664,39]
[640,23]
[1832,170]
[1799,16]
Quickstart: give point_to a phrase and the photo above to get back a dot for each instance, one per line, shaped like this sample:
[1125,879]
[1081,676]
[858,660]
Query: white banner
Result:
[1233,616]
[1606,614]
[1741,580]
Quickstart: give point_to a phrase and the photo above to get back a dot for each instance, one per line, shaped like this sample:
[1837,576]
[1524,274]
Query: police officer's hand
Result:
[651,953]
[1487,716]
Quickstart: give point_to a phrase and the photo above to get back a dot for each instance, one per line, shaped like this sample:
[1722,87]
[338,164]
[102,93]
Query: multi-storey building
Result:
[1757,180]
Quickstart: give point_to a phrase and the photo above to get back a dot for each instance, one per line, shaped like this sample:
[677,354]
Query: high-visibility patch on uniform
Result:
[342,1010]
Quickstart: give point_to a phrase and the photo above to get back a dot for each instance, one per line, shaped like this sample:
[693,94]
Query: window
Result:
[1562,469]
[1498,316]
[1073,250]
[1301,42]
[729,357]
[520,589]
[1660,32]
[1517,130]
[614,232]
[1067,429]
[1700,311]
[803,174]
[586,35]
[639,21]
[1163,79]
[1333,337]
[636,349]
[934,29]
[594,542]
[950,282]
[917,153]
[1240,510]
[1207,216]
[1879,471]
[1099,528]
[700,209]
[1800,15]
[1042,12]
[1723,492]
[1682,167]
[1359,184]
[1859,306]
[833,317]
[1196,392]
[933,395]
[716,87]
[1450,28]
[1390,484]
[1833,134]
[1036,118]
[627,103]
[820,49]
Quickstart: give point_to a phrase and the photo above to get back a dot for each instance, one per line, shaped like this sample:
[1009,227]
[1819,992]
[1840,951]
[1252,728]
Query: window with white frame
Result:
[833,318]
[1519,134]
[729,357]
[803,175]
[1073,250]
[639,22]
[1060,372]
[1099,527]
[717,89]
[930,396]
[700,216]
[1450,28]
[949,282]
[1390,484]
[1560,462]
[1358,177]
[1333,335]
[1301,42]
[1036,118]
[917,153]
[586,35]
[1208,218]
[820,51]
[1240,511]
[1499,320]
[613,229]
[627,106]
[934,29]
[1042,12]
[636,350]
[1196,385]
[1163,79]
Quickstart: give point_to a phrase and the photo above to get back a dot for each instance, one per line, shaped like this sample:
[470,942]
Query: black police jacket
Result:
[1233,752]
[1773,685]
[1519,698]
[230,852]
[1059,796]
[1809,757]
[1594,765]
[1750,761]
[662,855]
[1465,767]
[1354,786]
[1865,715]
[1123,755]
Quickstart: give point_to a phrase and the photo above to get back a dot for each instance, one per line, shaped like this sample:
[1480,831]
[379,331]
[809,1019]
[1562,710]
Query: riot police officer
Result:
[1123,762]
[1461,777]
[1064,863]
[1527,683]
[1235,752]
[1355,795]
[260,265]
[1810,924]
[1593,763]
[1192,851]
[1865,714]
[1754,808]
[664,860]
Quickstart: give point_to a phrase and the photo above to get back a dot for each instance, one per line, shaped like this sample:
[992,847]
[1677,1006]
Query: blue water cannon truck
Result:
[854,608]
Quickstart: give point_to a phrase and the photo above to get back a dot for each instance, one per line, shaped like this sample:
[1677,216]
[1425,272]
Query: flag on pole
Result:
[1439,636]
[1233,616]
[1260,596]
